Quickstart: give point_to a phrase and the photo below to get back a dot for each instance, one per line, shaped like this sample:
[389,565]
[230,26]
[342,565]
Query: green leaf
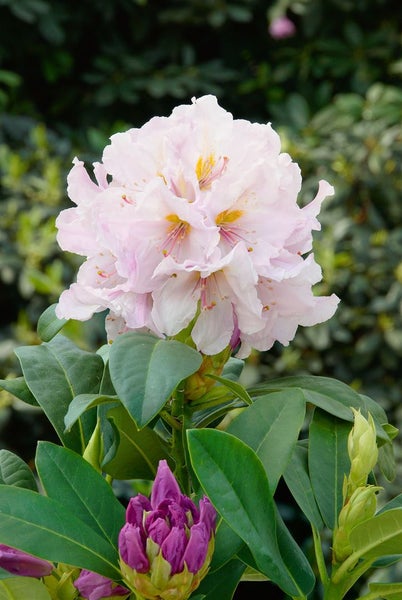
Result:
[49,325]
[145,371]
[271,426]
[18,388]
[234,387]
[16,588]
[45,528]
[379,536]
[83,402]
[297,479]
[221,584]
[235,481]
[69,479]
[387,591]
[227,545]
[331,395]
[233,368]
[14,471]
[394,503]
[55,373]
[328,463]
[296,561]
[138,452]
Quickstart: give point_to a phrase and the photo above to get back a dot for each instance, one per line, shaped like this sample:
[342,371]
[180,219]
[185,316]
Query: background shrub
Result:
[70,78]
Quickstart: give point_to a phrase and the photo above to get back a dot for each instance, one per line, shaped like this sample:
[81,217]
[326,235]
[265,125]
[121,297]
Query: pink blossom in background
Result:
[193,219]
[281,28]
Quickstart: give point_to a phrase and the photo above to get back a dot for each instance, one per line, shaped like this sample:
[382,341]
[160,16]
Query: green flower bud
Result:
[198,384]
[362,449]
[361,506]
[60,583]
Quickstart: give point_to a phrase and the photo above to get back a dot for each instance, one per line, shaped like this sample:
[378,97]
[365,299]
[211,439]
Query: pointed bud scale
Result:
[166,558]
[361,506]
[20,563]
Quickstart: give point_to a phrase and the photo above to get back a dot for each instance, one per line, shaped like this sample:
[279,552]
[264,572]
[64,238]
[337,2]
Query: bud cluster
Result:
[359,499]
[362,449]
[167,542]
[361,506]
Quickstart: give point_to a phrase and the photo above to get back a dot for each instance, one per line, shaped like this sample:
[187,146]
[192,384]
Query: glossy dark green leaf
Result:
[234,479]
[296,561]
[69,479]
[83,402]
[14,471]
[49,325]
[145,371]
[45,528]
[297,479]
[55,373]
[138,452]
[271,426]
[221,584]
[331,395]
[328,463]
[227,545]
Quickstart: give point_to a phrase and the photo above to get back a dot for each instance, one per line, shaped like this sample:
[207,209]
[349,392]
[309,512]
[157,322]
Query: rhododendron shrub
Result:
[193,220]
[197,247]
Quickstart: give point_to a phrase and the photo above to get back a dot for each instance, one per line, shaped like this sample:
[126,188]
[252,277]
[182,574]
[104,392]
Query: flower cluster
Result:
[167,542]
[193,222]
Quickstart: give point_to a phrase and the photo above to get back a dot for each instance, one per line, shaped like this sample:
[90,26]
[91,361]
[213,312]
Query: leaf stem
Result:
[179,440]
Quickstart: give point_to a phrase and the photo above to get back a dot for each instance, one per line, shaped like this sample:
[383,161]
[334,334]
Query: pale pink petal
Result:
[214,328]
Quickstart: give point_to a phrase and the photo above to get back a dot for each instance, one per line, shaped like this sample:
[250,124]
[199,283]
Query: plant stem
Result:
[179,440]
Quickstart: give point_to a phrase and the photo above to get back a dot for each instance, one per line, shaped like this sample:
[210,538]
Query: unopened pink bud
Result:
[20,563]
[166,550]
[93,586]
[165,485]
[281,28]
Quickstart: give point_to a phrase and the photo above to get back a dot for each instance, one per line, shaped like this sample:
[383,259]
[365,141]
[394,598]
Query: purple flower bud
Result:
[165,485]
[190,508]
[92,586]
[197,547]
[166,545]
[135,509]
[281,28]
[20,563]
[176,515]
[173,548]
[132,549]
[207,514]
[158,530]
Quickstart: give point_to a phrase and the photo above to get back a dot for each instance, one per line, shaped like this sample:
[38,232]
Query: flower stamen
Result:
[177,232]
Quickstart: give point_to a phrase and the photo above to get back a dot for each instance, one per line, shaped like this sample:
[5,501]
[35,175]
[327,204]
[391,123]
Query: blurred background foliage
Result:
[72,76]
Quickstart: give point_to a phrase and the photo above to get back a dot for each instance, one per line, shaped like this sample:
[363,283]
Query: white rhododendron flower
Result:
[193,220]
